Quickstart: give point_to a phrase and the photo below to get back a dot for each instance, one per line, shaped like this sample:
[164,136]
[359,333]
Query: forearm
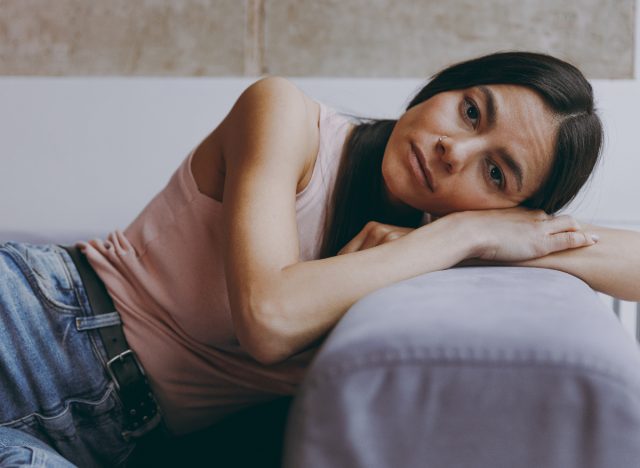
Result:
[611,266]
[280,310]
[312,296]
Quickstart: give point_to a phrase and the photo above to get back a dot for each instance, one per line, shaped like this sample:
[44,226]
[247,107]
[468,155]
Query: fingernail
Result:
[595,237]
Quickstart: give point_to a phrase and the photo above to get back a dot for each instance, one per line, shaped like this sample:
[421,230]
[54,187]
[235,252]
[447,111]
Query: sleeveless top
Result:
[165,273]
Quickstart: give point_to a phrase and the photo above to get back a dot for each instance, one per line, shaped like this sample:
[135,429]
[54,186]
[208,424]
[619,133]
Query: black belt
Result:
[140,407]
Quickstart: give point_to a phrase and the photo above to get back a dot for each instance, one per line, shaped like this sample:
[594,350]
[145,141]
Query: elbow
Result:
[259,333]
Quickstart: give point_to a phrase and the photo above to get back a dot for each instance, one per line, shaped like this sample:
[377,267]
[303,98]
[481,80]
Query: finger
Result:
[354,244]
[374,238]
[570,240]
[379,233]
[374,234]
[391,236]
[364,238]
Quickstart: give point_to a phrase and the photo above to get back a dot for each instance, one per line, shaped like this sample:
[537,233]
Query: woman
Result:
[282,218]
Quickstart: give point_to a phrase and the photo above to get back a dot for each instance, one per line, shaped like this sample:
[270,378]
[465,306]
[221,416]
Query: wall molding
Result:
[254,63]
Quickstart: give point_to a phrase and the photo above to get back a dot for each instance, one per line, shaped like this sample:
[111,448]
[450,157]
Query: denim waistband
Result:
[141,407]
[53,380]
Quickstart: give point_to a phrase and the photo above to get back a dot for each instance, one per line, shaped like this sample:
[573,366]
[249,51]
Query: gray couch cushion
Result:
[472,367]
[63,237]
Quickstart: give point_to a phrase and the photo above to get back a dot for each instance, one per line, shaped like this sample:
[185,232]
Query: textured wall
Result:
[373,38]
[122,37]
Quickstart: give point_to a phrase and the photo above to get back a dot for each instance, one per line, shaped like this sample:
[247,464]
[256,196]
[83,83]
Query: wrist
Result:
[465,231]
[460,231]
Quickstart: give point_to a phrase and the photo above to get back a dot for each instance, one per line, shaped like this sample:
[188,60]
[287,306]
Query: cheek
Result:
[391,171]
[389,162]
[469,198]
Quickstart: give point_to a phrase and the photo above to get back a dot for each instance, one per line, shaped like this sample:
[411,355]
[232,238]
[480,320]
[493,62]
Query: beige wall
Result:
[363,38]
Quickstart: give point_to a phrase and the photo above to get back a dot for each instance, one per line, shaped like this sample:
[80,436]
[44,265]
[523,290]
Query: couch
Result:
[482,367]
[464,368]
[472,367]
[467,367]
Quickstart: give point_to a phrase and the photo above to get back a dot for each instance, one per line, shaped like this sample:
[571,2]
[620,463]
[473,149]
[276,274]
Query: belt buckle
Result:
[138,421]
[119,358]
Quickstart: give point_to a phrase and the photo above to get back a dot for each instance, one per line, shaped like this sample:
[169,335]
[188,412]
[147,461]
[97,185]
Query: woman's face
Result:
[477,148]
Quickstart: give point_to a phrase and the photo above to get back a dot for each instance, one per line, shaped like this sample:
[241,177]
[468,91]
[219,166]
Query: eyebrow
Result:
[491,111]
[490,104]
[515,167]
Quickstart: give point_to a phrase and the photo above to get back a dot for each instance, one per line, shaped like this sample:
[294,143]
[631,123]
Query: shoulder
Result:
[274,106]
[272,119]
[282,99]
[275,86]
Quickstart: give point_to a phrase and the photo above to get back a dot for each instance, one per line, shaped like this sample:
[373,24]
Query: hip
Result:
[54,382]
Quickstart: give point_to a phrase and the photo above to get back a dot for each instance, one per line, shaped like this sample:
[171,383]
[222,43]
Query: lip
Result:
[422,170]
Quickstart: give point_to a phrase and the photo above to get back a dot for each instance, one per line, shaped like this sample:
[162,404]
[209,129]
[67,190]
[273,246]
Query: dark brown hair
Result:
[359,197]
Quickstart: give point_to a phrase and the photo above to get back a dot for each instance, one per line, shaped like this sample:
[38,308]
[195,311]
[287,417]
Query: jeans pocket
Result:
[88,433]
[47,272]
[18,448]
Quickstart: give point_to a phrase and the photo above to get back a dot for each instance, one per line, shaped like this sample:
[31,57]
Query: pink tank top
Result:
[165,274]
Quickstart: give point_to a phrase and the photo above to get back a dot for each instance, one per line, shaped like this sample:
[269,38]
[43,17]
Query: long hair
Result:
[359,190]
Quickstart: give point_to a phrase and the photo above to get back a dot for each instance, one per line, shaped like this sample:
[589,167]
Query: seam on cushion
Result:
[456,357]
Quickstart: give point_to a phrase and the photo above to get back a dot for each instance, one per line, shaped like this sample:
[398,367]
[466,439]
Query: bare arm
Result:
[318,293]
[612,266]
[280,305]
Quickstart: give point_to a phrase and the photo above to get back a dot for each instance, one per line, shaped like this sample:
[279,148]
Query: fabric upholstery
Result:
[472,367]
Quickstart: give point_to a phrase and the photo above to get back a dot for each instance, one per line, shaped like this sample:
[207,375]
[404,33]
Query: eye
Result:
[471,112]
[495,174]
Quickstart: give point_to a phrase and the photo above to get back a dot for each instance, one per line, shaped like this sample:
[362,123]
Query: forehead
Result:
[524,128]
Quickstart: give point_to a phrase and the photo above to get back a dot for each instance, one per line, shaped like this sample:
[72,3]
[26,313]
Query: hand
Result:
[373,234]
[517,234]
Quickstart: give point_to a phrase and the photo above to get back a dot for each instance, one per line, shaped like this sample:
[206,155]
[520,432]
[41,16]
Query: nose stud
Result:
[442,138]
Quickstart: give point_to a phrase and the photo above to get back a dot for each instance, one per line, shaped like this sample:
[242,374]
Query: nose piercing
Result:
[441,138]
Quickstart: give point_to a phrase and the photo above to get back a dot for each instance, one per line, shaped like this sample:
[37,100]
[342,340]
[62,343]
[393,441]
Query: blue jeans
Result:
[57,401]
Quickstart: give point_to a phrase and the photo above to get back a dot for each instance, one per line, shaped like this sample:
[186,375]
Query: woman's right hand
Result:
[518,234]
[373,234]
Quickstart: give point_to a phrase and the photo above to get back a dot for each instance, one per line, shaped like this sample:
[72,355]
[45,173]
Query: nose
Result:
[455,153]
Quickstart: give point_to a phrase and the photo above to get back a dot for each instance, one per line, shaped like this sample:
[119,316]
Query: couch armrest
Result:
[472,367]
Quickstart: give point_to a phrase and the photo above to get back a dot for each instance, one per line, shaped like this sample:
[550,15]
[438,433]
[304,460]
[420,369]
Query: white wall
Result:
[613,194]
[86,154]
